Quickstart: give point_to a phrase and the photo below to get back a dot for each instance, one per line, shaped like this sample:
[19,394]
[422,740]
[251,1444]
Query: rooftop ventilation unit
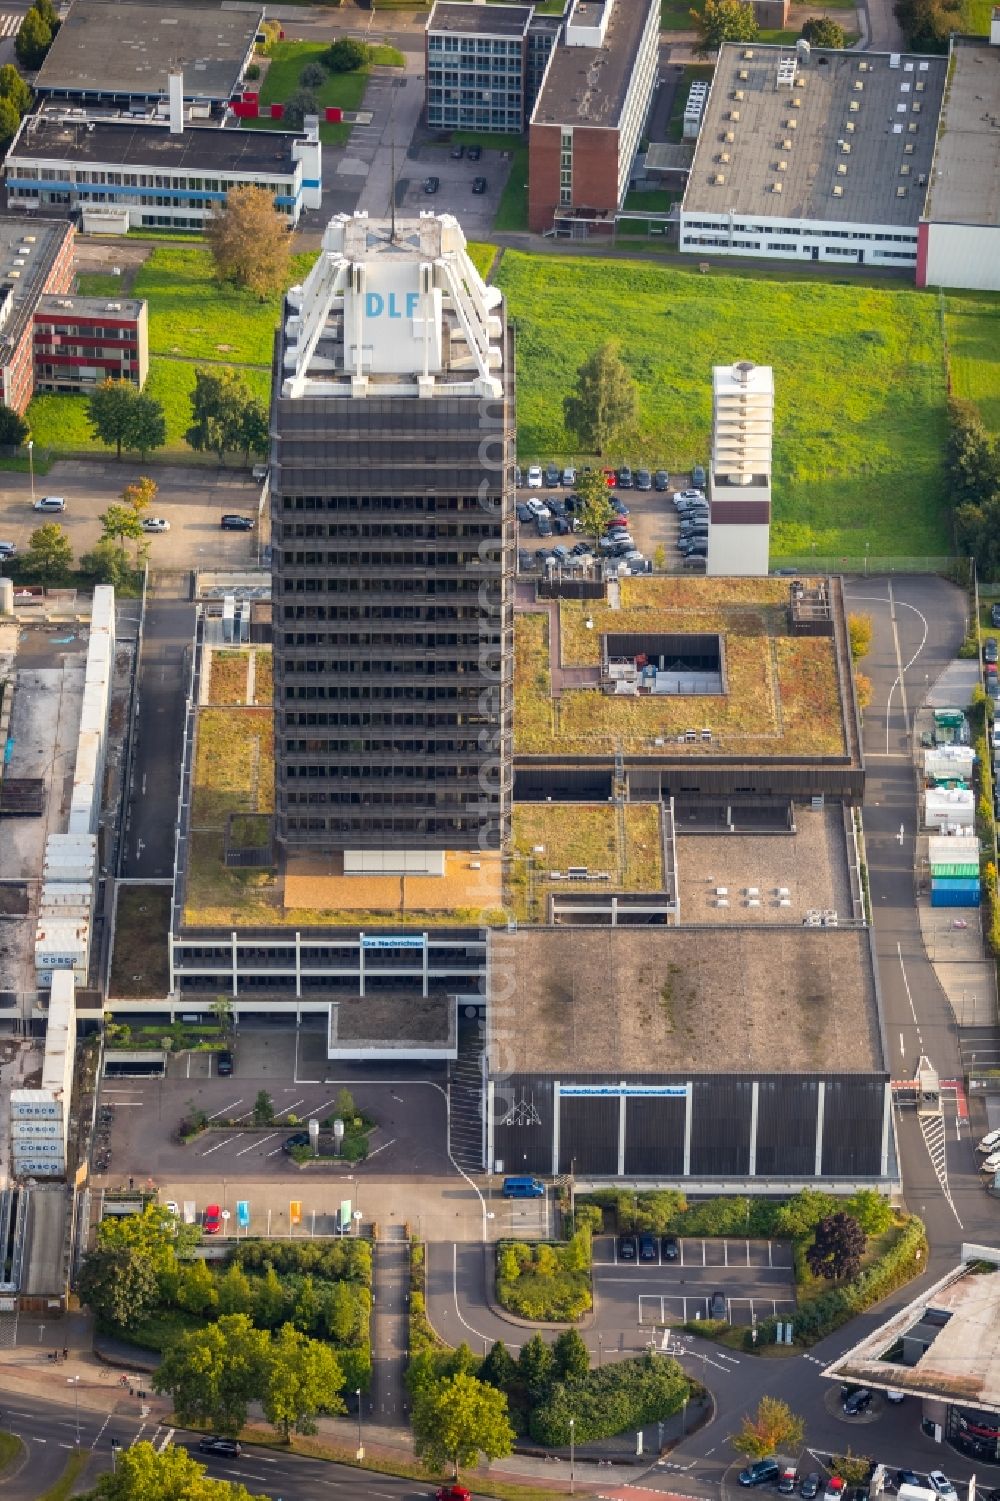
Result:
[776,187]
[850,126]
[841,169]
[786,145]
[791,124]
[730,135]
[845,147]
[796,102]
[782,167]
[719,179]
[734,115]
[908,147]
[920,85]
[747,55]
[895,61]
[900,192]
[863,65]
[855,106]
[838,191]
[859,84]
[904,170]
[916,106]
[743,74]
[722,157]
[739,94]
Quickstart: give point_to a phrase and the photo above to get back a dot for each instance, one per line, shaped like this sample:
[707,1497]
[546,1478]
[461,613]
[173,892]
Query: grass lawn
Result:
[976,17]
[674,17]
[139,963]
[233,766]
[972,327]
[99,284]
[338,91]
[513,211]
[866,467]
[486,139]
[67,1482]
[481,256]
[693,73]
[11,1448]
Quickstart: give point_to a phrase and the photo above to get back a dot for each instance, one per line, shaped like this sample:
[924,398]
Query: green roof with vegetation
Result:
[624,841]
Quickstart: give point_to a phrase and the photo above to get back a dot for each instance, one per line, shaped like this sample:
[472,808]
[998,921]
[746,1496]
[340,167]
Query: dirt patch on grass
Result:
[139,964]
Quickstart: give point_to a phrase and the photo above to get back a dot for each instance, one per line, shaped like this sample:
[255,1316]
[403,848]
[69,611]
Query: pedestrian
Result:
[65,1352]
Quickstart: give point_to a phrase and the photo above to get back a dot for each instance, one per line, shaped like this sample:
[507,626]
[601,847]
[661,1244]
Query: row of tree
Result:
[973,471]
[15,101]
[36,34]
[928,24]
[48,558]
[721,21]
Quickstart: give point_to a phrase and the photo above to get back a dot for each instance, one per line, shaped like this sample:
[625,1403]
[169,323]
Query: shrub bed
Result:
[626,1395]
[544,1281]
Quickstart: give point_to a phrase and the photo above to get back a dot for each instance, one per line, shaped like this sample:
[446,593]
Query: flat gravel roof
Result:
[128,144]
[965,187]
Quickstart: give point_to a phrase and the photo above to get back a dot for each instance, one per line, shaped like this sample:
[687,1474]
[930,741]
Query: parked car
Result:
[610,478]
[561,553]
[537,507]
[525,560]
[535,477]
[990,1164]
[300,1139]
[473,153]
[544,525]
[619,507]
[617,521]
[661,480]
[583,549]
[761,1472]
[556,505]
[858,1402]
[992,681]
[628,1249]
[230,1447]
[457,152]
[990,1142]
[524,512]
[479,184]
[7,549]
[569,477]
[231,523]
[453,1492]
[563,526]
[995,615]
[809,1487]
[688,495]
[789,1480]
[940,1483]
[908,1477]
[155,524]
[647,1247]
[671,1248]
[892,1395]
[835,1489]
[518,478]
[224,1064]
[624,477]
[698,477]
[211,1220]
[553,474]
[431,184]
[717,1305]
[643,479]
[50,503]
[990,652]
[695,562]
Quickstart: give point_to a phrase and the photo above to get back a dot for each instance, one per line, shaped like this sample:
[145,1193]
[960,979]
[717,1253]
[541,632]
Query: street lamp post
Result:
[361,1447]
[572,1455]
[31,469]
[600,1349]
[74,1382]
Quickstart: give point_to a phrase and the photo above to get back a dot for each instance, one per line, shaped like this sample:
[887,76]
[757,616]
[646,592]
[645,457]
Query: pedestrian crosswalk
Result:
[10,25]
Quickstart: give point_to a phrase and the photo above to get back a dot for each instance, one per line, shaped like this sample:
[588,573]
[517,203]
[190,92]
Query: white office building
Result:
[739,528]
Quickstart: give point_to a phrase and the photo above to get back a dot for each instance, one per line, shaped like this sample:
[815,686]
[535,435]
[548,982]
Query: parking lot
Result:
[754,1278]
[455,177]
[653,524]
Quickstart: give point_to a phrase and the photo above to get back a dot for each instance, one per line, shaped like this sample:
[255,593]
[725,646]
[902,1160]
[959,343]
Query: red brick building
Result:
[82,341]
[36,256]
[589,116]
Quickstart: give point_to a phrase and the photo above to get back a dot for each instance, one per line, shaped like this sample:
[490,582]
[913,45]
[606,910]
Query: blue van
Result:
[523,1188]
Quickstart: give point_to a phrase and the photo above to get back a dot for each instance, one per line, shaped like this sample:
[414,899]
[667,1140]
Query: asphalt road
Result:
[49,1432]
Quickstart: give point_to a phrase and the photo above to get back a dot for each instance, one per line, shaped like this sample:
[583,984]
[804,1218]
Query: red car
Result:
[211,1222]
[610,478]
[617,521]
[452,1493]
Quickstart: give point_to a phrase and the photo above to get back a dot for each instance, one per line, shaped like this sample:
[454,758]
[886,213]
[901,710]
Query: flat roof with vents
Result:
[813,101]
[28,249]
[589,85]
[965,187]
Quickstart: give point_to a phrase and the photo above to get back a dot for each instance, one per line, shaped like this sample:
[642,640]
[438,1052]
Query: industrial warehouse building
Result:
[814,155]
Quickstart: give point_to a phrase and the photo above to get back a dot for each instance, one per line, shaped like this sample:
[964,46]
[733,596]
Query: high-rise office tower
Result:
[392,511]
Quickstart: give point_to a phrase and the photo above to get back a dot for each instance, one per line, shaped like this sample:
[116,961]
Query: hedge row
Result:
[668,1212]
[818,1316]
[347,1260]
[543,1281]
[611,1400]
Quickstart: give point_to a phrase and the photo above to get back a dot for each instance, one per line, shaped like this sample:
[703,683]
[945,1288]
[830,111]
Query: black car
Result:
[671,1248]
[300,1139]
[553,476]
[231,1447]
[628,1249]
[556,505]
[562,526]
[717,1310]
[908,1477]
[643,479]
[474,153]
[524,512]
[995,615]
[224,1065]
[479,184]
[647,1247]
[525,560]
[619,507]
[237,523]
[990,653]
[624,478]
[431,184]
[583,549]
[761,1472]
[858,1402]
[544,526]
[661,480]
[809,1489]
[457,152]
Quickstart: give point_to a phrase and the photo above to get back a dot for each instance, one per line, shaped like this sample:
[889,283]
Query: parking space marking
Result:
[255,1144]
[286,1108]
[223,1143]
[226,1109]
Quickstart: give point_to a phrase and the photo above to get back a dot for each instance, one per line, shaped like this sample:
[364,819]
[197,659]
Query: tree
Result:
[212,1374]
[596,509]
[570,1356]
[108,563]
[109,412]
[13,429]
[33,40]
[837,1248]
[49,557]
[773,1429]
[140,494]
[456,1420]
[346,55]
[303,102]
[269,1300]
[255,434]
[235,1292]
[535,1368]
[119,522]
[345,1107]
[302,1377]
[313,76]
[249,242]
[499,1369]
[196,1290]
[218,406]
[821,31]
[853,1469]
[799,1215]
[723,21]
[9,121]
[860,630]
[48,13]
[604,406]
[14,88]
[142,1473]
[263,1109]
[119,1286]
[928,24]
[307,1308]
[972,456]
[147,427]
[873,1213]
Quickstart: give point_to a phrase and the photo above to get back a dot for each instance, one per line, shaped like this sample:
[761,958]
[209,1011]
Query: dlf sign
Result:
[394,326]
